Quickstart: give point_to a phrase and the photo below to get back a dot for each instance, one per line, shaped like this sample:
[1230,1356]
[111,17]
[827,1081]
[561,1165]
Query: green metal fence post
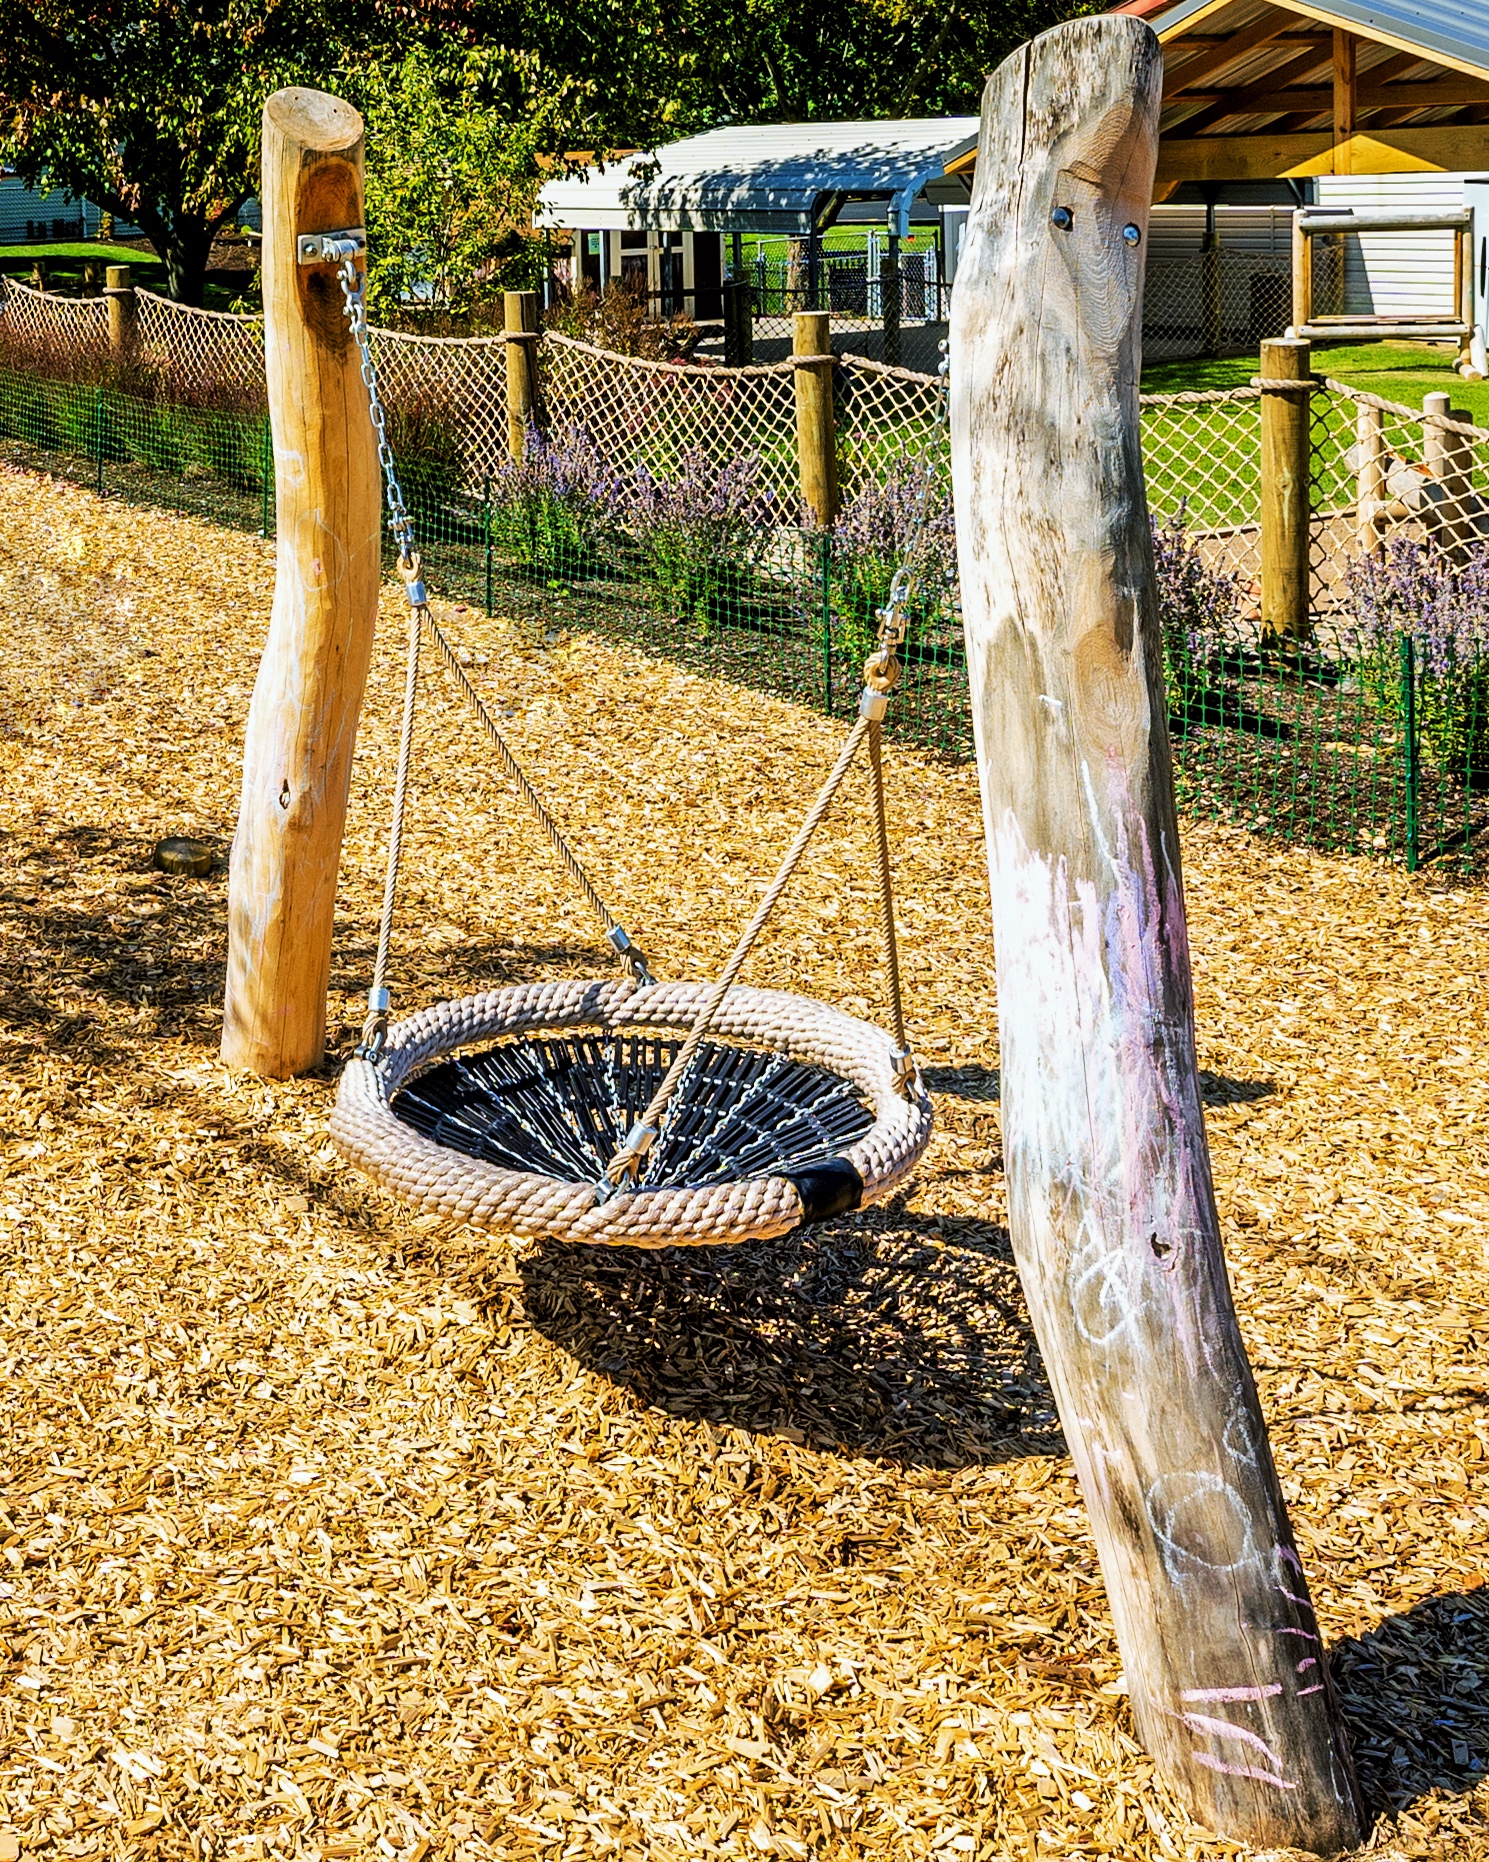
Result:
[1411,770]
[824,581]
[486,524]
[98,434]
[266,475]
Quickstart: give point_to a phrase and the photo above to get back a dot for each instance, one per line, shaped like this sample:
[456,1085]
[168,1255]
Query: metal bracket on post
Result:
[331,248]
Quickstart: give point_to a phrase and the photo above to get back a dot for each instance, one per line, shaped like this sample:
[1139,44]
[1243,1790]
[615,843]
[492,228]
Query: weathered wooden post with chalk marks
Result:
[1111,1203]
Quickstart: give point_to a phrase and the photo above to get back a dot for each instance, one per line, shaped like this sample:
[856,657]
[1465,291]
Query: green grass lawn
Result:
[1403,372]
[21,258]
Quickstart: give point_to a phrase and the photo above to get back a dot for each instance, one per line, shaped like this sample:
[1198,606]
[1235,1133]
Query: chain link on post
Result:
[400,525]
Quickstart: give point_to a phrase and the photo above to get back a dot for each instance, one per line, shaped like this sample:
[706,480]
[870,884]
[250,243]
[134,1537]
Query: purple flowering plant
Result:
[701,530]
[561,501]
[902,516]
[1439,599]
[1198,607]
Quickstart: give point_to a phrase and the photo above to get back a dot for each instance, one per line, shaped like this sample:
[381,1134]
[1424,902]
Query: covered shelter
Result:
[661,218]
[1262,89]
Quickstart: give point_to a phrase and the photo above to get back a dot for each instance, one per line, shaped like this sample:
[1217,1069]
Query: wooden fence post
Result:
[118,290]
[1302,273]
[816,429]
[520,319]
[1110,1200]
[302,723]
[1286,490]
[1370,452]
[890,300]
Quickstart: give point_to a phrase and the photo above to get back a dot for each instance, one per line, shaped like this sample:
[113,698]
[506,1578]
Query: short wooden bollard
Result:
[118,291]
[816,429]
[1448,457]
[520,323]
[1110,1201]
[1286,489]
[1370,489]
[302,723]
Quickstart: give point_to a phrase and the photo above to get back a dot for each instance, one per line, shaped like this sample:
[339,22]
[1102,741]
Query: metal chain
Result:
[375,1028]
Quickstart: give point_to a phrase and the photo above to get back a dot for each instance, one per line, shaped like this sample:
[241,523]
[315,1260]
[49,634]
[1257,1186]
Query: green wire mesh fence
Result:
[1371,735]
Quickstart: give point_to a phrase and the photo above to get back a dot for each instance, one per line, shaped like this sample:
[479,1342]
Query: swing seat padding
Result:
[790,1112]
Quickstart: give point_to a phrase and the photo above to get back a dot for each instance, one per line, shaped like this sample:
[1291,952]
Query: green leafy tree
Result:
[150,107]
[455,153]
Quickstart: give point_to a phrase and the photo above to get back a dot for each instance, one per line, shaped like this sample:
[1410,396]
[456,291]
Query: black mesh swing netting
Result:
[562,1108]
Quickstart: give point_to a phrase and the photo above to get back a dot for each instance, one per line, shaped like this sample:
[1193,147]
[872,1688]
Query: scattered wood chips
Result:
[328,1533]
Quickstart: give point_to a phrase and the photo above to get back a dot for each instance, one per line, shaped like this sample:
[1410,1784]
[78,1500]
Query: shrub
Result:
[558,505]
[701,532]
[621,321]
[902,517]
[1441,603]
[1198,608]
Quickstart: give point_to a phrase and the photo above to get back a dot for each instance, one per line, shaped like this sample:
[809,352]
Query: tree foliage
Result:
[454,150]
[149,107]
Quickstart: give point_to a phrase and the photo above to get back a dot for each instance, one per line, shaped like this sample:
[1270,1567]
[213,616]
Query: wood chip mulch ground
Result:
[327,1533]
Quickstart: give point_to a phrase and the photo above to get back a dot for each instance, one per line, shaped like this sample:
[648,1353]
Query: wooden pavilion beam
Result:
[1267,155]
[1344,99]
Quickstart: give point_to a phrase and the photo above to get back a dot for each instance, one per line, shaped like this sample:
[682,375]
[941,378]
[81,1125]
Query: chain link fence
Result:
[673,521]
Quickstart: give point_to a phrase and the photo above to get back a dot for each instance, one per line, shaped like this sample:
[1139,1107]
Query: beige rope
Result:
[886,884]
[627,1160]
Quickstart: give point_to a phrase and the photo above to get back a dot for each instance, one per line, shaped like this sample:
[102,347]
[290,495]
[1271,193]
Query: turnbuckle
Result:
[410,570]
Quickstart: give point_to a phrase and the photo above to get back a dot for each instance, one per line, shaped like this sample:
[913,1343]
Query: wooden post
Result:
[889,299]
[1344,100]
[816,431]
[1110,1200]
[1370,445]
[1286,490]
[739,326]
[1449,460]
[302,723]
[520,318]
[118,289]
[1302,274]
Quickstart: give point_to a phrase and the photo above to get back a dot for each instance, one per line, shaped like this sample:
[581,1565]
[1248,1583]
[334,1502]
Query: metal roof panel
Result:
[1453,30]
[765,177]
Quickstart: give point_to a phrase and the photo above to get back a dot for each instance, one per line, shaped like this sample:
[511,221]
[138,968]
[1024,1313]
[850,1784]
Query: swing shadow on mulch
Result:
[880,1334]
[1415,1695]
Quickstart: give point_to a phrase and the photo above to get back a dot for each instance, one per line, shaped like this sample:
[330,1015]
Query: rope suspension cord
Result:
[881,675]
[375,1028]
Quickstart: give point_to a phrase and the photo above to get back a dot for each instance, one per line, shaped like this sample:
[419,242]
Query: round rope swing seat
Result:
[631,1113]
[504,1109]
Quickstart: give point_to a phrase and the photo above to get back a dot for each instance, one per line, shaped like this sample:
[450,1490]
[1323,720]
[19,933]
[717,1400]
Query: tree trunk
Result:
[1110,1198]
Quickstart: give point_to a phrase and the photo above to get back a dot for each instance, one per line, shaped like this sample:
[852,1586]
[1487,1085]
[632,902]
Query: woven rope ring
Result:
[366,1129]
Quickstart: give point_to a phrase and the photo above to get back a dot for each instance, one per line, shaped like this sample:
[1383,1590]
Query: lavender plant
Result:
[1198,607]
[1440,601]
[701,532]
[902,516]
[560,503]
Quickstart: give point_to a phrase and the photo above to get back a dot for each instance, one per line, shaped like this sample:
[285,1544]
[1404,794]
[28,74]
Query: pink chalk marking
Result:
[1317,1688]
[1231,1693]
[1292,1597]
[1308,1661]
[1242,1771]
[1223,1729]
[1306,1634]
[1290,1557]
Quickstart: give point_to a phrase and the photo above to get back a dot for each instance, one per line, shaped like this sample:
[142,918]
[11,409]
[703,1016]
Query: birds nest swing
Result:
[632,1112]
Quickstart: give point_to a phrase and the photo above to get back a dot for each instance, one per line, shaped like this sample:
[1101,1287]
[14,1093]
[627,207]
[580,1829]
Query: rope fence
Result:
[661,504]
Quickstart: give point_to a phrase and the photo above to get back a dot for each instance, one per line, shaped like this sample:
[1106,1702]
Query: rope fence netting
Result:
[662,505]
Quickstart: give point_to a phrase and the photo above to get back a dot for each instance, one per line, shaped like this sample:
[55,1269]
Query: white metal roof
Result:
[769,178]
